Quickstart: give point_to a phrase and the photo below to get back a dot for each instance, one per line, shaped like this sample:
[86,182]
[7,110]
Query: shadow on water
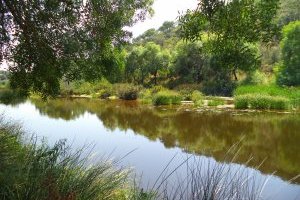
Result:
[271,136]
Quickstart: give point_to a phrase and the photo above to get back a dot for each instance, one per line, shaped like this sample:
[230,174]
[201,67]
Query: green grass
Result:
[166,97]
[215,102]
[257,101]
[37,171]
[292,94]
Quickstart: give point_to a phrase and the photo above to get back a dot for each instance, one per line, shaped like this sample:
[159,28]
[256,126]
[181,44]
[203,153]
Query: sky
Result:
[164,10]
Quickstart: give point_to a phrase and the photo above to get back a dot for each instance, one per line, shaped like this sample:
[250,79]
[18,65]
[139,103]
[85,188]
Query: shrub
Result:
[127,91]
[197,97]
[219,86]
[166,98]
[186,90]
[289,73]
[256,78]
[256,101]
[241,102]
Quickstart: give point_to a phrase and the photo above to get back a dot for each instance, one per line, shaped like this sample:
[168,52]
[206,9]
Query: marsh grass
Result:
[37,171]
[292,93]
[166,97]
[257,101]
[207,179]
[197,97]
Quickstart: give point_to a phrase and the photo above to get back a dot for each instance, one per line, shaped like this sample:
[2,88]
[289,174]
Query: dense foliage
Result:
[49,40]
[289,73]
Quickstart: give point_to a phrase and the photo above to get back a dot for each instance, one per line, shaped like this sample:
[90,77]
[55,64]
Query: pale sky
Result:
[165,10]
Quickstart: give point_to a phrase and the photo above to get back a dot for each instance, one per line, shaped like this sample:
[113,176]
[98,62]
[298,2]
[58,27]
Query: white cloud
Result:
[165,10]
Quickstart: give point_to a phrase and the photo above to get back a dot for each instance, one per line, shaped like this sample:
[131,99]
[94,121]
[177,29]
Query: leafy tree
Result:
[149,61]
[155,60]
[230,26]
[189,62]
[290,71]
[134,69]
[44,39]
[289,11]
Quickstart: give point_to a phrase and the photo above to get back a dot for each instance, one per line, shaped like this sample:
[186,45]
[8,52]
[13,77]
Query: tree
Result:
[229,27]
[290,47]
[44,39]
[189,62]
[155,60]
[289,11]
[149,61]
[134,68]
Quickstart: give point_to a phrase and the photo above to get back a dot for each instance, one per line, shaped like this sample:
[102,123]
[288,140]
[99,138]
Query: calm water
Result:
[157,134]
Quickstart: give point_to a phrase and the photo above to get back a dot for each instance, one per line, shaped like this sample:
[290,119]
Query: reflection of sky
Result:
[149,158]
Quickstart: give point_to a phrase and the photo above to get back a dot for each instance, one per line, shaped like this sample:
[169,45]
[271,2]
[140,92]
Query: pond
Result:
[154,135]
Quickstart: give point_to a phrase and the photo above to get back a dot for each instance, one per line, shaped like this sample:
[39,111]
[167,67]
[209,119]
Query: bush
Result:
[256,101]
[186,90]
[220,85]
[256,78]
[127,91]
[289,73]
[197,97]
[166,98]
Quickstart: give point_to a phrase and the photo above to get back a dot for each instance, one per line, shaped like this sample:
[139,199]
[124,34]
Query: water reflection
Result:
[271,136]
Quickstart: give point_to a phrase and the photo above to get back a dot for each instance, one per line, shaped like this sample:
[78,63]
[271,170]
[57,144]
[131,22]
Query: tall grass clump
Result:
[256,101]
[291,93]
[206,179]
[166,97]
[37,171]
[197,97]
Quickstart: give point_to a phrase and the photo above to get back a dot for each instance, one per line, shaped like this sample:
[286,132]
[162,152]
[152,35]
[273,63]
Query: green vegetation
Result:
[197,97]
[256,101]
[166,97]
[215,102]
[30,170]
[289,72]
[292,94]
[8,96]
[127,91]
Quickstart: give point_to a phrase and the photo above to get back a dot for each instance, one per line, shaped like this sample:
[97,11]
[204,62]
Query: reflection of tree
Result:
[59,109]
[271,136]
